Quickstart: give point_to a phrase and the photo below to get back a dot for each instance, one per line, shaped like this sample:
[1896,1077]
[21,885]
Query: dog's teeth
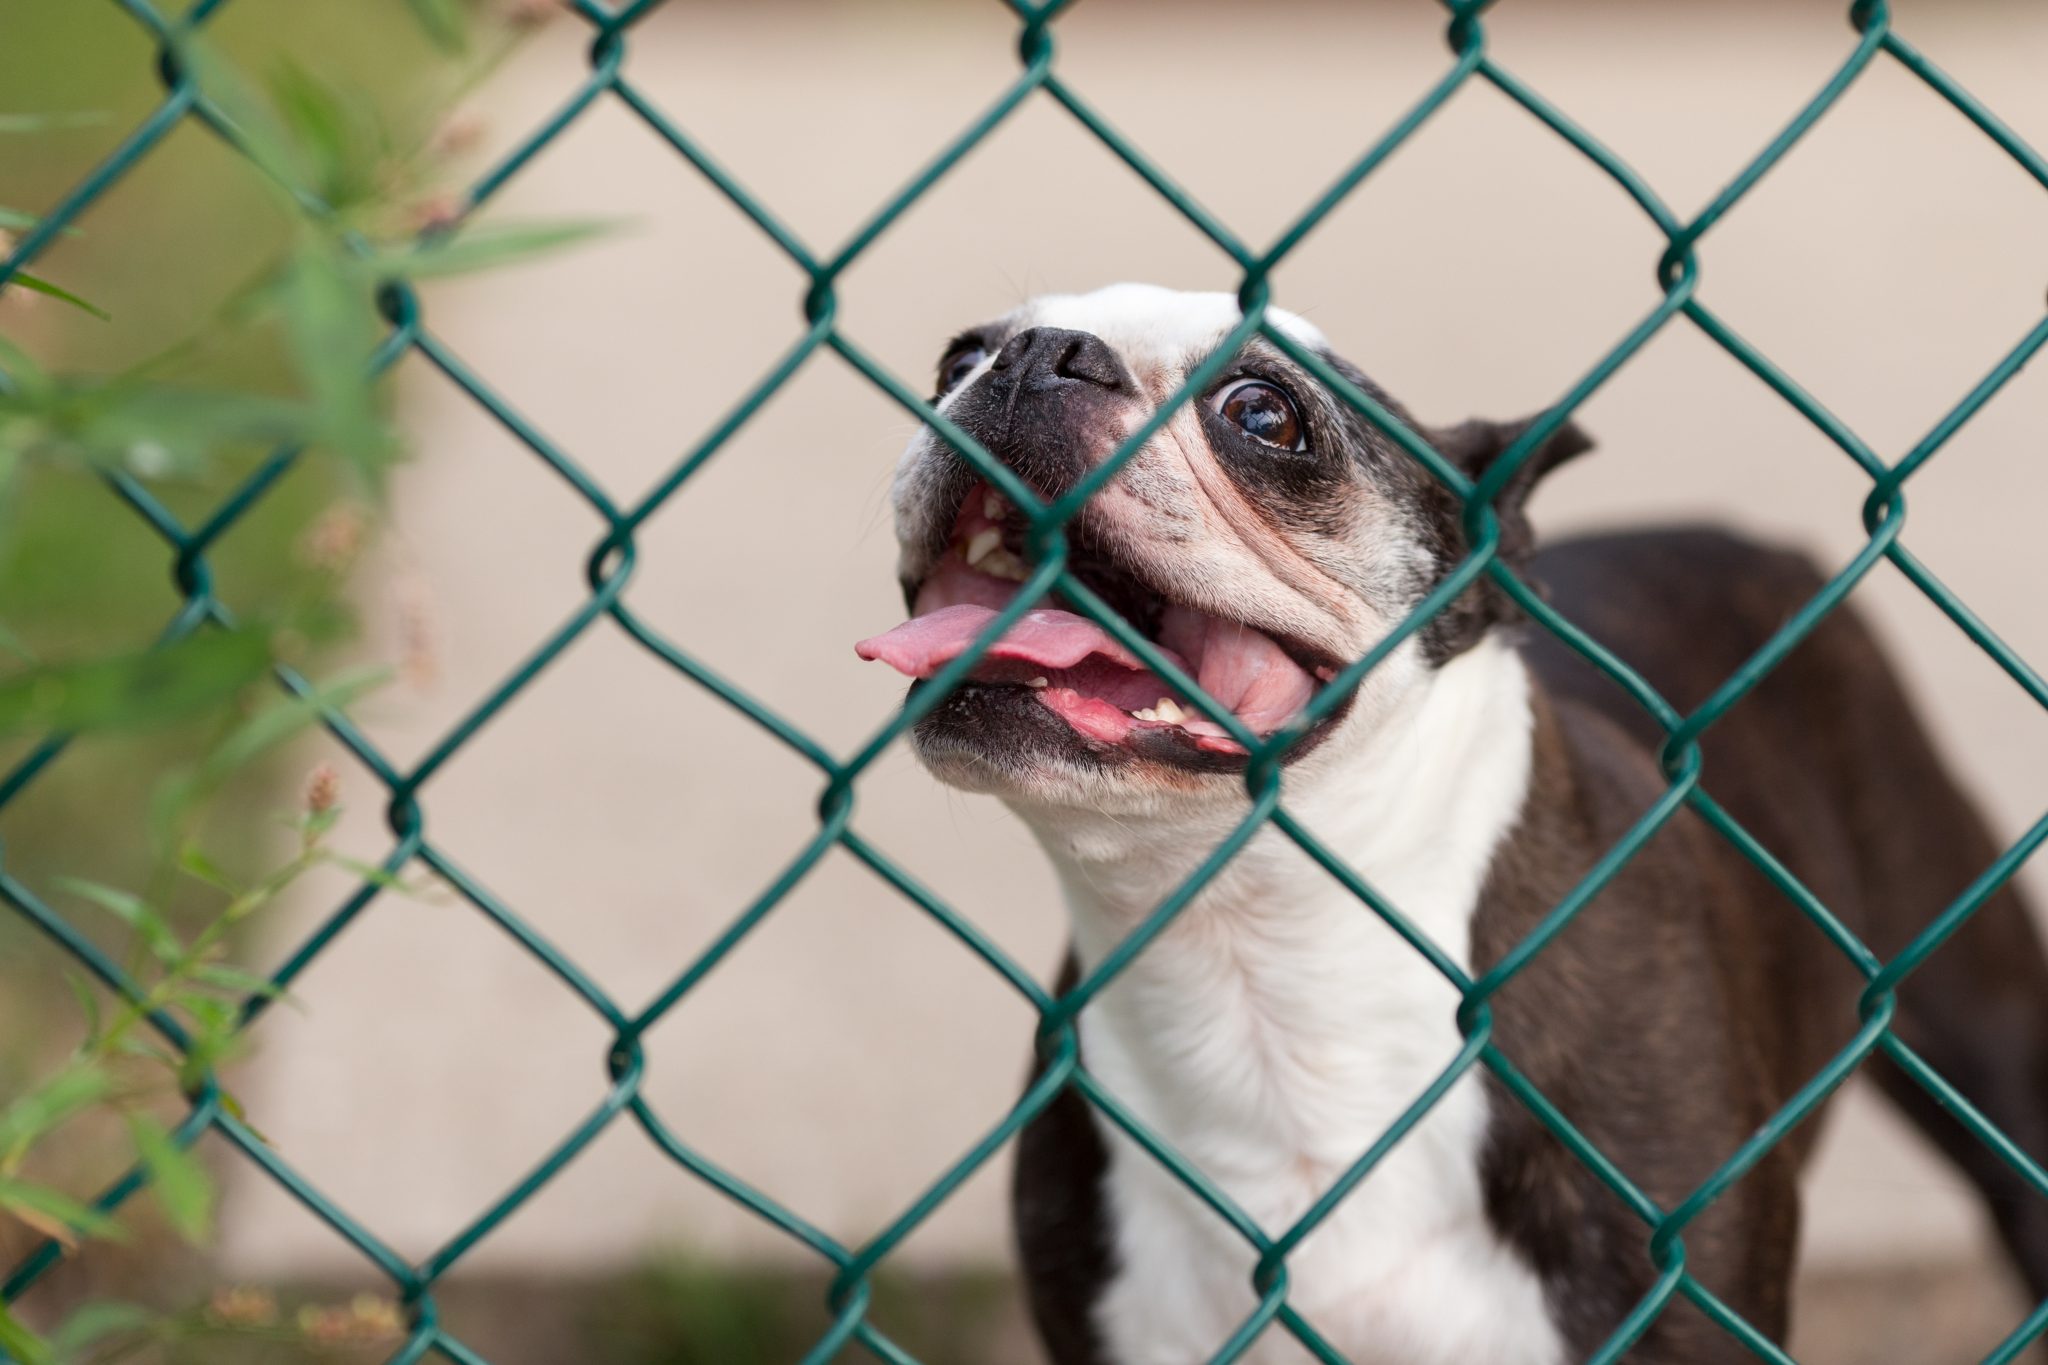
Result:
[1036,682]
[1147,714]
[981,543]
[1000,563]
[992,505]
[1168,710]
[1325,672]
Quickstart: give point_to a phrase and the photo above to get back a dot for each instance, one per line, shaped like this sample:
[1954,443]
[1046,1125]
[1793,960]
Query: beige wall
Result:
[850,1049]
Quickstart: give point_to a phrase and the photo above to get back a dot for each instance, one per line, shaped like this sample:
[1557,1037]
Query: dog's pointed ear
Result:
[1474,445]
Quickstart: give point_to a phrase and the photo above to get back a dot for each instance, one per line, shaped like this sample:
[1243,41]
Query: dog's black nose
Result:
[1046,358]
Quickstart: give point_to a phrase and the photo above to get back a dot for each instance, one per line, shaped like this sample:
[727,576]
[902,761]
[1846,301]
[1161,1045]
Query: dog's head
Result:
[1266,536]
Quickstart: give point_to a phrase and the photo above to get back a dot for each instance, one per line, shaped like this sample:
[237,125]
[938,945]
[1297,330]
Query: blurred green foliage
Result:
[218,304]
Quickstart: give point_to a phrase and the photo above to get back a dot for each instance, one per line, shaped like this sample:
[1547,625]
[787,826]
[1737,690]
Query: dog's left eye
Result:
[959,363]
[1264,412]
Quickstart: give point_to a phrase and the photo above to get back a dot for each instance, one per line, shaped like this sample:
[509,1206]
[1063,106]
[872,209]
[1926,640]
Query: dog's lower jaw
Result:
[1277,1027]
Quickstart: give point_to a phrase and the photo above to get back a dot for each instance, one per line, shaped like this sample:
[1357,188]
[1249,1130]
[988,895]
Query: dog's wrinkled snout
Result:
[1049,404]
[1046,359]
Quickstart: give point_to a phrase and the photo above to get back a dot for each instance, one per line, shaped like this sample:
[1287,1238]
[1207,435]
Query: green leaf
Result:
[132,1046]
[488,246]
[88,1005]
[25,1346]
[55,1213]
[255,126]
[38,285]
[331,329]
[182,1188]
[32,1115]
[94,1322]
[132,911]
[175,796]
[445,22]
[369,872]
[14,220]
[153,431]
[10,643]
[237,980]
[339,134]
[134,690]
[43,123]
[236,1111]
[196,862]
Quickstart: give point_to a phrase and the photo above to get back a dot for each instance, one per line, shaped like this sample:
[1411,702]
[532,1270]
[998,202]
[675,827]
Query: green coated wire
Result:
[609,572]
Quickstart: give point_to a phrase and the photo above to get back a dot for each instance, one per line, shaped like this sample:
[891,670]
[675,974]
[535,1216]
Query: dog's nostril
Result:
[1014,349]
[1086,358]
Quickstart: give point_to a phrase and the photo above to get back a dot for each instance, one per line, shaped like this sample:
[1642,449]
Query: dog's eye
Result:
[1264,411]
[959,363]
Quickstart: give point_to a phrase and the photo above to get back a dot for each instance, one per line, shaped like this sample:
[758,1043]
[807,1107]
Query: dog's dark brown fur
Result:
[1690,999]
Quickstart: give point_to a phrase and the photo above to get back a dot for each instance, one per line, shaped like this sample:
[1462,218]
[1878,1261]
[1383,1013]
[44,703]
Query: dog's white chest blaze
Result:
[1278,1028]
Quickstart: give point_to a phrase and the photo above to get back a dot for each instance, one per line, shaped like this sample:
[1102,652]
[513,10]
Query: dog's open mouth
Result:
[1076,669]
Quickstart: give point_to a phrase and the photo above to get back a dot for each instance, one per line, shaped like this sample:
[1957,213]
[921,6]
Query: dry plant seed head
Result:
[336,537]
[436,213]
[323,790]
[242,1306]
[374,1317]
[418,659]
[530,14]
[458,134]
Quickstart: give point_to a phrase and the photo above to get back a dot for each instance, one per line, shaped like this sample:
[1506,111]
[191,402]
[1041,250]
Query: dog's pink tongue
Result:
[1238,666]
[1046,636]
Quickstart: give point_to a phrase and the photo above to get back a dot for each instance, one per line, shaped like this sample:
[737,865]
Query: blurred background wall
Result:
[850,1049]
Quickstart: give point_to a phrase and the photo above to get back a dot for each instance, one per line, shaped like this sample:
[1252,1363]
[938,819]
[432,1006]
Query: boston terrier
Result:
[1263,538]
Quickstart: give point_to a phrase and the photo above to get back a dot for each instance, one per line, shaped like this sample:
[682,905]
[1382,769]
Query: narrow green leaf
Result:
[38,285]
[55,1213]
[29,1116]
[25,1346]
[240,1113]
[182,1188]
[14,220]
[331,327]
[368,872]
[445,23]
[132,911]
[153,431]
[43,123]
[237,980]
[488,246]
[133,690]
[94,1322]
[88,1005]
[256,128]
[175,796]
[196,862]
[132,1046]
[10,643]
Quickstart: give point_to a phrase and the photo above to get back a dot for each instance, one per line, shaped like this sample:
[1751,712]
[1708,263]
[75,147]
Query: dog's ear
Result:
[1474,445]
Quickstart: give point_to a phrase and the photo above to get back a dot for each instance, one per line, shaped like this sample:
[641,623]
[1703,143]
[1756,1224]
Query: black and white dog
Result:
[1266,536]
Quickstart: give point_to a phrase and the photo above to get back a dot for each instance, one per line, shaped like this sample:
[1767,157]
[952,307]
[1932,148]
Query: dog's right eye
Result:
[959,363]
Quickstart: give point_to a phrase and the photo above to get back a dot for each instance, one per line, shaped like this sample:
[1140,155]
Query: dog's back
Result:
[1827,765]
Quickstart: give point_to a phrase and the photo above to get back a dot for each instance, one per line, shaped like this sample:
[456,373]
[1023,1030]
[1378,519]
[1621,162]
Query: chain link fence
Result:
[1870,38]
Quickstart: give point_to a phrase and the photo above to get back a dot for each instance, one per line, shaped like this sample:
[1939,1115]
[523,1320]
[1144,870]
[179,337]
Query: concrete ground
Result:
[1941,1314]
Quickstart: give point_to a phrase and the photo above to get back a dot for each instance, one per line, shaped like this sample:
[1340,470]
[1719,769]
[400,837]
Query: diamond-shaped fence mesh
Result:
[611,565]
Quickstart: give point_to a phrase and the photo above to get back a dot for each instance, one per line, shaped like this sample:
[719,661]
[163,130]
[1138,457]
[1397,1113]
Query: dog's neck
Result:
[1278,1014]
[1415,807]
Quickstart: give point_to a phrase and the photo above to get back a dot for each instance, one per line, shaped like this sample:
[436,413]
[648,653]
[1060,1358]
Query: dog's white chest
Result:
[1406,1271]
[1278,1028]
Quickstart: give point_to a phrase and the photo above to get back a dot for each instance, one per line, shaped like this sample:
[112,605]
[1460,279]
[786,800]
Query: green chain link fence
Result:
[610,568]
